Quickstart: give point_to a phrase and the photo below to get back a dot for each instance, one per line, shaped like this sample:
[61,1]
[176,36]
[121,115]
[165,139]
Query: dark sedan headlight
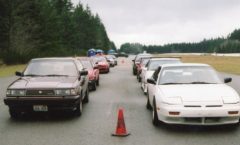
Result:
[65,92]
[16,92]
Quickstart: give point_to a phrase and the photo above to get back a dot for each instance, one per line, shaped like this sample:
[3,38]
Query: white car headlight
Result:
[173,101]
[65,92]
[230,100]
[15,92]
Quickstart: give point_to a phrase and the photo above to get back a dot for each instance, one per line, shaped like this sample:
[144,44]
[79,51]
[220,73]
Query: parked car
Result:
[46,85]
[136,61]
[110,60]
[93,72]
[102,64]
[151,66]
[191,94]
[122,54]
[142,65]
[114,58]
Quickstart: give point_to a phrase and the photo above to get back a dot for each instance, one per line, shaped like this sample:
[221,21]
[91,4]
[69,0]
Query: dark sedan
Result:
[48,84]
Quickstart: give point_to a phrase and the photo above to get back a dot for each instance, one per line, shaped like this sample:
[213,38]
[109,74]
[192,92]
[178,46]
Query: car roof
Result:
[54,58]
[167,58]
[183,64]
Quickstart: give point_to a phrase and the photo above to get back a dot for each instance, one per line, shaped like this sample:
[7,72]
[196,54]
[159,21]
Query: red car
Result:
[93,72]
[102,64]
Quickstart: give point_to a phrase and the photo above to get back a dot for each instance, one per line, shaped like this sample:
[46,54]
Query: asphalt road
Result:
[118,89]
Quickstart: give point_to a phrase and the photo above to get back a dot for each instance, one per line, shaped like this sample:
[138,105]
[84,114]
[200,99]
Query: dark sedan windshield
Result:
[51,68]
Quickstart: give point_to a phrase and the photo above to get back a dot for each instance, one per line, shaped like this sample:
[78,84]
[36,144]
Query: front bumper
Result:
[25,104]
[199,116]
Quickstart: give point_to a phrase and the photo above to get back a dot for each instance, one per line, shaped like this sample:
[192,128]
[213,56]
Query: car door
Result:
[152,87]
[83,79]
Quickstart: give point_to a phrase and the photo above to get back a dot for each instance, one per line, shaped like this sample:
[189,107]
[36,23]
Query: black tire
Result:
[94,86]
[79,109]
[148,105]
[97,82]
[86,98]
[14,114]
[139,79]
[155,120]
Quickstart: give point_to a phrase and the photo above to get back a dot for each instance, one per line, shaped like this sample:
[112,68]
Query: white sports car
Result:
[191,94]
[151,66]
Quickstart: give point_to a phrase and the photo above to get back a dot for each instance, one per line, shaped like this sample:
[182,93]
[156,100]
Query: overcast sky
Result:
[166,21]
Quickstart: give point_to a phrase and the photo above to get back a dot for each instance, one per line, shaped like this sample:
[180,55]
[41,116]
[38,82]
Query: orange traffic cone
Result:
[121,130]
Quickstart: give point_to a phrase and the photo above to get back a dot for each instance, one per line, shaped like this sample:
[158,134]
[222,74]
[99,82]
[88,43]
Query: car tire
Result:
[97,82]
[155,120]
[139,79]
[94,86]
[86,98]
[79,109]
[148,105]
[14,114]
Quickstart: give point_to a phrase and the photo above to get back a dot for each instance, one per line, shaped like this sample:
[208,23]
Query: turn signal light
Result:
[174,113]
[232,112]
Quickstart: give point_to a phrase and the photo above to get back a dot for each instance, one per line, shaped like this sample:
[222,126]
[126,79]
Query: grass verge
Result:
[220,63]
[9,70]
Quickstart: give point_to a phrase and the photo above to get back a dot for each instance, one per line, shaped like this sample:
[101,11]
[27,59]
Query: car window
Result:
[154,64]
[51,67]
[87,64]
[189,75]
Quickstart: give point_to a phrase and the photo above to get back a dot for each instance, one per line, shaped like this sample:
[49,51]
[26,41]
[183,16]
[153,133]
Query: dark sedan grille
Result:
[40,93]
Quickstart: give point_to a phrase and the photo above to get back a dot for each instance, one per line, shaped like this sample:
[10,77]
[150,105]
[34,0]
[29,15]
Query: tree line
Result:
[46,28]
[231,44]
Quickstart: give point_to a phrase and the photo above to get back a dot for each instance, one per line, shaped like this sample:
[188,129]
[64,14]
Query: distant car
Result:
[122,54]
[93,72]
[115,59]
[102,64]
[151,66]
[110,60]
[136,61]
[141,66]
[191,94]
[48,84]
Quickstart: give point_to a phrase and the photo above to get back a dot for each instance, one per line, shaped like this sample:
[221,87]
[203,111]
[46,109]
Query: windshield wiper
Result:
[201,83]
[55,75]
[32,75]
[171,83]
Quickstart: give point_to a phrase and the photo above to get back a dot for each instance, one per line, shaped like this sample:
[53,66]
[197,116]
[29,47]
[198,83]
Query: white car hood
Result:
[200,92]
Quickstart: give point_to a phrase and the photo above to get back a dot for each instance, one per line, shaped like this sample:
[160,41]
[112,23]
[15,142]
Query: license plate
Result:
[40,108]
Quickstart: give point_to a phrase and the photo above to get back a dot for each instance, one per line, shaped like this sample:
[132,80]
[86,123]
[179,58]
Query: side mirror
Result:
[18,74]
[108,60]
[133,60]
[95,67]
[151,81]
[96,63]
[83,73]
[227,80]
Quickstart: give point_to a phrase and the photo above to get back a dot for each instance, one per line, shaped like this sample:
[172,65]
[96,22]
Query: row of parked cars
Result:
[54,84]
[185,93]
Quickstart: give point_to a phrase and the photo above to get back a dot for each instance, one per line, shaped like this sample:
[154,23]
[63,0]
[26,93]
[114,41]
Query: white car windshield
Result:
[154,64]
[189,75]
[51,68]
